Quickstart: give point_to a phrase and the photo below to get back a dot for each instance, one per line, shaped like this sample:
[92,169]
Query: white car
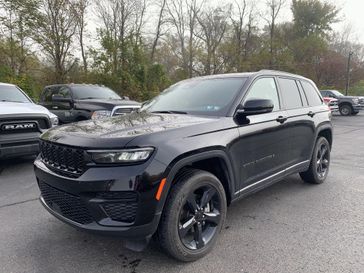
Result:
[21,122]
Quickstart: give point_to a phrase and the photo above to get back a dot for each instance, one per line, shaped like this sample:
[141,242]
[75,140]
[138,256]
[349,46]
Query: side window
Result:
[64,92]
[324,93]
[265,88]
[47,96]
[311,94]
[290,93]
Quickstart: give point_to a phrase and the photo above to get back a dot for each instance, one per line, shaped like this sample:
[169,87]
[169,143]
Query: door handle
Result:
[281,119]
[311,114]
[54,107]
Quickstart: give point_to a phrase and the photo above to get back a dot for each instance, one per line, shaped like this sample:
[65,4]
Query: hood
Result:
[10,108]
[121,129]
[105,104]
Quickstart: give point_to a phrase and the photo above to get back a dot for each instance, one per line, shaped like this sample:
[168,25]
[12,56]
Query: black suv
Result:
[172,169]
[348,105]
[76,102]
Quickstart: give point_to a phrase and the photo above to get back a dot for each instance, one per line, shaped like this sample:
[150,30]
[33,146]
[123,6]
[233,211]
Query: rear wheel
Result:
[345,110]
[320,163]
[194,214]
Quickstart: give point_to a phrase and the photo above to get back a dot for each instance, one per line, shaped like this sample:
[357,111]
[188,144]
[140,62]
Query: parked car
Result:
[332,103]
[76,102]
[21,122]
[172,169]
[348,105]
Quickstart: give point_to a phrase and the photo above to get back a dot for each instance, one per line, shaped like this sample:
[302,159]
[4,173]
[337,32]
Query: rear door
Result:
[300,121]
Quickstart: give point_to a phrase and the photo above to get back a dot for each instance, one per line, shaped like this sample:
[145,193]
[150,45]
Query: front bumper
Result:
[118,201]
[358,107]
[15,145]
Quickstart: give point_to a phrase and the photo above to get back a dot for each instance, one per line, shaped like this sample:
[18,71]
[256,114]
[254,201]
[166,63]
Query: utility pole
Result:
[348,73]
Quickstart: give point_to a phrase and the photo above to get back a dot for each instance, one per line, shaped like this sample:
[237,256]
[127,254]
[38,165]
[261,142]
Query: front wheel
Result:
[320,163]
[194,214]
[345,110]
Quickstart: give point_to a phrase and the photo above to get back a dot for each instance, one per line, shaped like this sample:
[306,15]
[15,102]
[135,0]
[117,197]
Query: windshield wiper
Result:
[170,112]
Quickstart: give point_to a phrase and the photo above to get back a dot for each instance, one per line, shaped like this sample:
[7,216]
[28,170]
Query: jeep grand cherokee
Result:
[172,169]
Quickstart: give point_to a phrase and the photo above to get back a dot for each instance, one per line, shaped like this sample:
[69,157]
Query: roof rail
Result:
[277,71]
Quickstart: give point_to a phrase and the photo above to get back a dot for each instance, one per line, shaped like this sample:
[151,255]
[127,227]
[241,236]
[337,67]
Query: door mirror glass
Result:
[255,107]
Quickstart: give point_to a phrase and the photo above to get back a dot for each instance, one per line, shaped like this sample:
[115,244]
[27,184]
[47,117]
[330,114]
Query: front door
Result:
[264,142]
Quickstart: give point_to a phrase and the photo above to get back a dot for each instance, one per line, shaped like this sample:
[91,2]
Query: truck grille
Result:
[63,160]
[68,205]
[23,125]
[119,111]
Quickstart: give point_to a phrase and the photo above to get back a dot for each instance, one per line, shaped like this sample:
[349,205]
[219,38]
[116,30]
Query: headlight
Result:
[355,101]
[54,120]
[101,114]
[122,156]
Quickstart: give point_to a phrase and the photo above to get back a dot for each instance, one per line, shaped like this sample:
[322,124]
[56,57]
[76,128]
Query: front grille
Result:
[63,160]
[68,205]
[123,207]
[124,111]
[333,103]
[17,122]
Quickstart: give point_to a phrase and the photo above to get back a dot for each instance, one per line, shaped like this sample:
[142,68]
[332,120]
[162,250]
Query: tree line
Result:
[139,47]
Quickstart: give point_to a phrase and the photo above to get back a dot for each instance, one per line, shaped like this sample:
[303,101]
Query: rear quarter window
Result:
[312,95]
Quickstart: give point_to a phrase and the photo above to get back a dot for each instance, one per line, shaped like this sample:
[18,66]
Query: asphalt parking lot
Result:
[289,227]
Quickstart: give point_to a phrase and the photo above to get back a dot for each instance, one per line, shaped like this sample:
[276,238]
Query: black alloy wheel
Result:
[320,163]
[199,217]
[193,215]
[323,158]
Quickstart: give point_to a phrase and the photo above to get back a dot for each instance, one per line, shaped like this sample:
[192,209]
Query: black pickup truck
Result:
[348,105]
[76,102]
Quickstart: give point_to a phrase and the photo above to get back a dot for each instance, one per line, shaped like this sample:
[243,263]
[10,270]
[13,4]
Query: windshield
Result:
[11,93]
[94,92]
[198,96]
[337,93]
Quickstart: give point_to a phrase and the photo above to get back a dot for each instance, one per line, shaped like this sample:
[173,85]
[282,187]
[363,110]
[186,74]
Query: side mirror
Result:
[255,107]
[59,98]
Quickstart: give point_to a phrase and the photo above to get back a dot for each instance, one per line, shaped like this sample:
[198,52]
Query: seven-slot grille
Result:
[68,205]
[63,160]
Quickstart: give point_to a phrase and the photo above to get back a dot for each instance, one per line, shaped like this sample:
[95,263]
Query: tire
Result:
[181,223]
[346,110]
[320,163]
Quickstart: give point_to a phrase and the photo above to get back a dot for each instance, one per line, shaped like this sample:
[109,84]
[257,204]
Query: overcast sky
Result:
[353,11]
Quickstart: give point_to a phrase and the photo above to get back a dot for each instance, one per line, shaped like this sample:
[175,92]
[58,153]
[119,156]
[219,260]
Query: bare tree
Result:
[237,22]
[81,7]
[158,32]
[213,25]
[55,31]
[274,8]
[122,20]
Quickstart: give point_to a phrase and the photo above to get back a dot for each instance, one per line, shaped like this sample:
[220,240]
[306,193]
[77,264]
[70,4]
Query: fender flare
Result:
[179,163]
